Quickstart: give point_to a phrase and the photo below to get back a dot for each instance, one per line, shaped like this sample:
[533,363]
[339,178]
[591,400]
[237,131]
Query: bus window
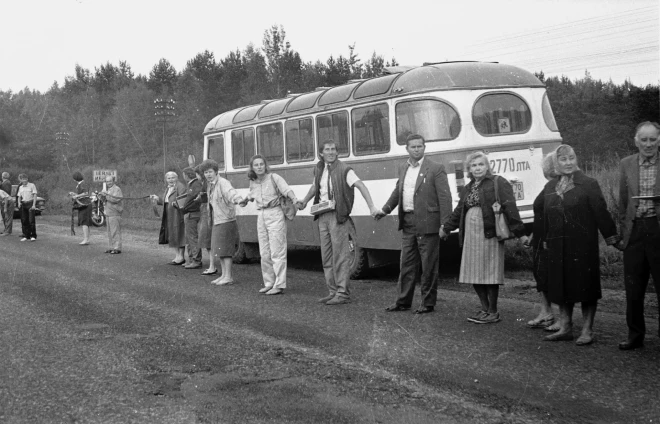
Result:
[216,150]
[548,116]
[270,143]
[371,129]
[299,140]
[334,126]
[242,147]
[501,113]
[432,119]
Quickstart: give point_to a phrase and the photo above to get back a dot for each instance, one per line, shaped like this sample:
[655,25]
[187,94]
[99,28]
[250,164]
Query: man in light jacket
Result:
[113,210]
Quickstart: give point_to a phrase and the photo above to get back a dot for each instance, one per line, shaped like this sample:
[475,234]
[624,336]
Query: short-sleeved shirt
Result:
[26,193]
[351,179]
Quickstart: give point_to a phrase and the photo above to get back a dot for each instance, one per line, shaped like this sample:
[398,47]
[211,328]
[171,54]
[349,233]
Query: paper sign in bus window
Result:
[504,125]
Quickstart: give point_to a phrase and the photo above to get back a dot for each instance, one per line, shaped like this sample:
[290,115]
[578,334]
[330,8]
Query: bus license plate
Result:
[518,192]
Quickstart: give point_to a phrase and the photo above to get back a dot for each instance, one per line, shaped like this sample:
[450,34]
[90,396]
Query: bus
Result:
[458,107]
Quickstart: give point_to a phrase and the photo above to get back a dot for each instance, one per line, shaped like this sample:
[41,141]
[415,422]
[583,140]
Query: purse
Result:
[501,224]
[288,207]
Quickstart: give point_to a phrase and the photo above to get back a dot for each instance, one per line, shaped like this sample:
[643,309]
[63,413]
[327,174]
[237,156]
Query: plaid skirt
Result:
[483,258]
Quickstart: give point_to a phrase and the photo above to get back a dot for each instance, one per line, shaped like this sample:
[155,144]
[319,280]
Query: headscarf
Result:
[565,183]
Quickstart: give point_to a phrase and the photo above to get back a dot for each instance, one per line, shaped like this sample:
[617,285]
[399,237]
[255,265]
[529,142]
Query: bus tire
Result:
[240,257]
[359,262]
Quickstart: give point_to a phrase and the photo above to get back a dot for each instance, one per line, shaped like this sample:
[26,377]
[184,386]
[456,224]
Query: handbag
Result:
[288,207]
[501,224]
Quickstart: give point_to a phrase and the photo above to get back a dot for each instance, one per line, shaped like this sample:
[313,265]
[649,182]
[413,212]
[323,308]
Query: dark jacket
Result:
[192,206]
[629,187]
[343,195]
[487,198]
[571,234]
[432,198]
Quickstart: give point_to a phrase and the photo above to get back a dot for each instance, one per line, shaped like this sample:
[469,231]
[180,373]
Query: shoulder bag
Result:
[501,225]
[287,205]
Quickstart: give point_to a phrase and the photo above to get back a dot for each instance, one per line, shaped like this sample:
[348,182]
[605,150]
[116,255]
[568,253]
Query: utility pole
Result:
[62,139]
[164,110]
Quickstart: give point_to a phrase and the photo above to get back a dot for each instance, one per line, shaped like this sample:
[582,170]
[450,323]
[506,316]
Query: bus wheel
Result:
[359,263]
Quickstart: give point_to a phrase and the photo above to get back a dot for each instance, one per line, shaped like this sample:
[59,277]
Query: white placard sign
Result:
[100,174]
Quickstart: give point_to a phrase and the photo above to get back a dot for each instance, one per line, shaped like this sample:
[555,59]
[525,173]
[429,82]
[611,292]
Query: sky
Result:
[41,41]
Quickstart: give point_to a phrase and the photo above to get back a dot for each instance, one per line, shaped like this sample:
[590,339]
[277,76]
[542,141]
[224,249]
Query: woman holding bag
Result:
[172,230]
[266,190]
[482,264]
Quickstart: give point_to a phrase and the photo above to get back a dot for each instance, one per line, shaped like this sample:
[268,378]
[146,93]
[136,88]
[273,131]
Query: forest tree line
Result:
[105,117]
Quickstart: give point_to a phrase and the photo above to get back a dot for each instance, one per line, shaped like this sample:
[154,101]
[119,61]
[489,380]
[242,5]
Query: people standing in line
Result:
[80,199]
[482,261]
[204,228]
[8,206]
[574,212]
[191,218]
[423,198]
[223,199]
[546,318]
[172,229]
[335,181]
[639,218]
[27,198]
[114,207]
[266,189]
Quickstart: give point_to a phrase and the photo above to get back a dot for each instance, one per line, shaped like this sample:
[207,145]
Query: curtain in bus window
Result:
[501,113]
[216,150]
[371,129]
[334,127]
[270,143]
[242,146]
[299,140]
[432,119]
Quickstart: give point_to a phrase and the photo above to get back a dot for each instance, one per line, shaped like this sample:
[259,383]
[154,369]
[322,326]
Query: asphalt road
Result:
[87,337]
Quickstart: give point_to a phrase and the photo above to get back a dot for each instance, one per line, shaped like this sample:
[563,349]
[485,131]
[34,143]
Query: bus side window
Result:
[501,113]
[242,147]
[371,129]
[299,140]
[270,143]
[334,126]
[432,119]
[216,150]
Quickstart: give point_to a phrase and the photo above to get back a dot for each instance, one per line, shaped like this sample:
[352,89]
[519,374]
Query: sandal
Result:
[541,322]
[209,272]
[115,251]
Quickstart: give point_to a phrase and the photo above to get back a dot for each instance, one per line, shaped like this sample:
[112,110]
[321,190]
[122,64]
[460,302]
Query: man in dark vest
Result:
[334,181]
[424,202]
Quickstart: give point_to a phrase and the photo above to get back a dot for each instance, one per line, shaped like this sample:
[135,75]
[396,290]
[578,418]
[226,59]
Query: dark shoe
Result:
[397,308]
[108,251]
[630,345]
[338,301]
[424,310]
[176,263]
[115,252]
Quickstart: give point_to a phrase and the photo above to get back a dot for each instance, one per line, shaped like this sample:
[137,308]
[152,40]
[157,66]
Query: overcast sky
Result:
[42,40]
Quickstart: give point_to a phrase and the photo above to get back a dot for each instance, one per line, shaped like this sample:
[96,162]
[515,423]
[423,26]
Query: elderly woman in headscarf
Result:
[574,211]
[482,263]
[172,229]
[545,318]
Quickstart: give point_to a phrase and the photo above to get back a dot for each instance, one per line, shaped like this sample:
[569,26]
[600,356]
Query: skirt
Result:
[483,258]
[85,216]
[224,239]
[204,229]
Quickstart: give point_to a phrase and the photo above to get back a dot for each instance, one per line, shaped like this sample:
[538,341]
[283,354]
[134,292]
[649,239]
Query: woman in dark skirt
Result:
[574,211]
[172,230]
[223,199]
[80,201]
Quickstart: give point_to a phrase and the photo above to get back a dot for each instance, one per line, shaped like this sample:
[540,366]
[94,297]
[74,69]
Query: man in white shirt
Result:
[27,201]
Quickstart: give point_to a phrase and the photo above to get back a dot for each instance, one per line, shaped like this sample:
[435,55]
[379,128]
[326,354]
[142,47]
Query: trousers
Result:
[335,253]
[191,222]
[271,230]
[28,224]
[641,259]
[114,232]
[8,218]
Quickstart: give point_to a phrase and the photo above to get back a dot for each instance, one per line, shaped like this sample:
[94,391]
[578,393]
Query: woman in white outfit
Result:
[266,188]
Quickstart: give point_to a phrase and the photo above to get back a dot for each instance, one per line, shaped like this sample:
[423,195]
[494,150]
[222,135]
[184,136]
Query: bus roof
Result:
[400,81]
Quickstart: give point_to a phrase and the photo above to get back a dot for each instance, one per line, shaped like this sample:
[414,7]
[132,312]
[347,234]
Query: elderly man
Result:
[8,205]
[191,209]
[113,209]
[335,181]
[639,215]
[424,201]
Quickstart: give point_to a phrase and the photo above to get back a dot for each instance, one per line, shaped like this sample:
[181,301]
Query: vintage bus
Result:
[458,107]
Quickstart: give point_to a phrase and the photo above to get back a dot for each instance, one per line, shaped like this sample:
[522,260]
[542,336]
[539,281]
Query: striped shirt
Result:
[648,171]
